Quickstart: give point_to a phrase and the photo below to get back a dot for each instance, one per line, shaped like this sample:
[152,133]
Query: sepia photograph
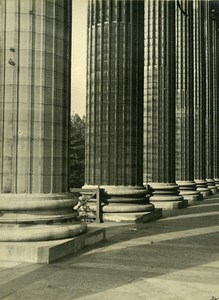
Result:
[109,149]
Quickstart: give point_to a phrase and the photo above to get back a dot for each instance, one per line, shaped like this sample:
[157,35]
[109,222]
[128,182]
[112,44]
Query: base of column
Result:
[38,217]
[133,217]
[49,251]
[166,196]
[211,185]
[202,188]
[123,203]
[216,180]
[188,190]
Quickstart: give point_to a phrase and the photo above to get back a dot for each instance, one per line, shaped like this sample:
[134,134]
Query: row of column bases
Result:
[152,111]
[152,103]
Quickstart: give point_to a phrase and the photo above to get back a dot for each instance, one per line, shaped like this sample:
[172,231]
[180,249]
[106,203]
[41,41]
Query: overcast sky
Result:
[79,36]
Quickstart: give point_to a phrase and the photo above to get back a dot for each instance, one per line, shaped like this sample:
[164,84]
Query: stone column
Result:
[215,53]
[199,97]
[210,95]
[34,123]
[114,134]
[159,103]
[184,103]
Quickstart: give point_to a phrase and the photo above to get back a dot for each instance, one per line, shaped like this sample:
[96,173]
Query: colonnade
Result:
[152,111]
[160,131]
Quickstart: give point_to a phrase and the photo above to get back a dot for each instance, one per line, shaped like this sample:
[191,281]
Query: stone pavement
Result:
[176,257]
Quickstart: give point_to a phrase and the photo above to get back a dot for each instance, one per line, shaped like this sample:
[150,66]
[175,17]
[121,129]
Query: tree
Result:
[77,151]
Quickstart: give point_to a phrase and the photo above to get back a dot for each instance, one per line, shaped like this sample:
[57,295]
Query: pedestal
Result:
[203,188]
[166,196]
[185,105]
[38,217]
[124,204]
[189,192]
[211,185]
[216,180]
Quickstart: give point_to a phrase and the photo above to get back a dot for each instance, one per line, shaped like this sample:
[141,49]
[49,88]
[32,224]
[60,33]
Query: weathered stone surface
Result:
[202,187]
[166,196]
[114,132]
[114,93]
[185,104]
[136,217]
[49,251]
[34,122]
[188,189]
[126,201]
[159,100]
[211,92]
[203,101]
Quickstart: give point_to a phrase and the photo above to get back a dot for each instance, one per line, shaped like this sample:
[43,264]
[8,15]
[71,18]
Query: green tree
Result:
[77,151]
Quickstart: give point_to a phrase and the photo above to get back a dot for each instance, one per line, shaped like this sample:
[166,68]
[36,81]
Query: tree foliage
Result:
[77,151]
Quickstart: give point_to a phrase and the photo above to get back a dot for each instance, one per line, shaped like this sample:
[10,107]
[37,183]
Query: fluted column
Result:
[115,105]
[159,103]
[184,103]
[210,96]
[215,57]
[34,123]
[199,97]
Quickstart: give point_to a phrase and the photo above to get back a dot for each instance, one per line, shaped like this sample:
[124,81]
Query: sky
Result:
[79,48]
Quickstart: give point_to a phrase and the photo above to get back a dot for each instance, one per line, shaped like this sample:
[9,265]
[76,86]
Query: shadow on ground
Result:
[181,248]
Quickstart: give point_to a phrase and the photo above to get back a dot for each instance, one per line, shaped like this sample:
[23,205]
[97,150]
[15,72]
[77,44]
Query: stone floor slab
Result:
[49,251]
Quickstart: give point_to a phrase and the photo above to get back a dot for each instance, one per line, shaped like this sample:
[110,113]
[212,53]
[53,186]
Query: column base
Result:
[166,196]
[203,188]
[38,217]
[133,217]
[122,203]
[188,190]
[216,180]
[211,185]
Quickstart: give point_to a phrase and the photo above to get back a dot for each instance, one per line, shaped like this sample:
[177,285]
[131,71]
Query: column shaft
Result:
[184,103]
[34,124]
[159,102]
[210,97]
[199,97]
[114,93]
[215,41]
[114,135]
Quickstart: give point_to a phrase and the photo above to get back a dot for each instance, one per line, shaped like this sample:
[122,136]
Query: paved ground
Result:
[173,258]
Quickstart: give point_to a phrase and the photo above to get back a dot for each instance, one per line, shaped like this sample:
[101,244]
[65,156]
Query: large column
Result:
[199,97]
[184,103]
[159,103]
[210,96]
[215,54]
[34,123]
[115,106]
